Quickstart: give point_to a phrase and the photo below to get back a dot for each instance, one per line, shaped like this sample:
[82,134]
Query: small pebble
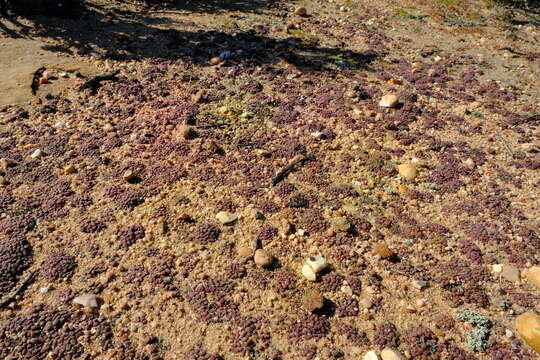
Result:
[391,354]
[226,217]
[70,169]
[63,74]
[371,355]
[45,289]
[300,11]
[528,326]
[108,127]
[341,223]
[496,268]
[244,252]
[313,300]
[533,275]
[184,131]
[43,80]
[383,251]
[389,101]
[215,60]
[262,258]
[3,181]
[317,263]
[129,175]
[419,284]
[197,98]
[37,154]
[308,273]
[510,273]
[86,300]
[407,171]
[469,163]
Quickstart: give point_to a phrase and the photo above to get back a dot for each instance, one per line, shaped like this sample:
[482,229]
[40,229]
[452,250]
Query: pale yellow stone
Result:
[528,326]
[391,354]
[533,276]
[308,273]
[407,171]
[389,101]
[317,263]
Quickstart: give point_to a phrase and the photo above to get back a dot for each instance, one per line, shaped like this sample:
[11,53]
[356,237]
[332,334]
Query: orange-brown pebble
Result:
[383,251]
[43,80]
[244,251]
[312,300]
[215,60]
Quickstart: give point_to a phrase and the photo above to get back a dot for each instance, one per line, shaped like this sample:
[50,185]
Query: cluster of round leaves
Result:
[15,257]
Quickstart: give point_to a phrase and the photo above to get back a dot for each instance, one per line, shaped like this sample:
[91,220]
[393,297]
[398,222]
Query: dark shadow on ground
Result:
[125,35]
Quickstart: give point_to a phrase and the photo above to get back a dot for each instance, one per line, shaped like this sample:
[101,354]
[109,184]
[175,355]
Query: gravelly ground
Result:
[167,274]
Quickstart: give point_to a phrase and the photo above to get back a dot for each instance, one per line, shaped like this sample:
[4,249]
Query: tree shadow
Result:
[124,35]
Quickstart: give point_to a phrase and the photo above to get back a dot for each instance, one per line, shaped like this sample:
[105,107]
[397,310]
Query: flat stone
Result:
[528,326]
[308,273]
[313,300]
[391,354]
[70,169]
[510,273]
[244,252]
[389,101]
[86,300]
[226,217]
[533,275]
[317,263]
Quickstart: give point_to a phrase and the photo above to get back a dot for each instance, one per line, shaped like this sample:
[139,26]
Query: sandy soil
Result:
[426,212]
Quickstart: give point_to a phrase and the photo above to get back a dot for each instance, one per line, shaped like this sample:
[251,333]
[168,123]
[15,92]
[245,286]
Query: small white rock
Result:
[63,74]
[391,354]
[45,289]
[308,273]
[226,217]
[509,334]
[86,300]
[317,263]
[496,268]
[389,101]
[469,163]
[346,289]
[37,154]
[419,284]
[371,355]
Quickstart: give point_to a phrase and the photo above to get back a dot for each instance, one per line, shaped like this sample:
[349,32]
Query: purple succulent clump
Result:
[423,344]
[312,221]
[46,331]
[308,326]
[129,235]
[386,335]
[205,234]
[267,233]
[352,334]
[15,258]
[92,225]
[58,265]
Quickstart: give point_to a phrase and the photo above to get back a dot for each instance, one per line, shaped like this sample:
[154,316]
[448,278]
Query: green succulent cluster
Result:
[478,337]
